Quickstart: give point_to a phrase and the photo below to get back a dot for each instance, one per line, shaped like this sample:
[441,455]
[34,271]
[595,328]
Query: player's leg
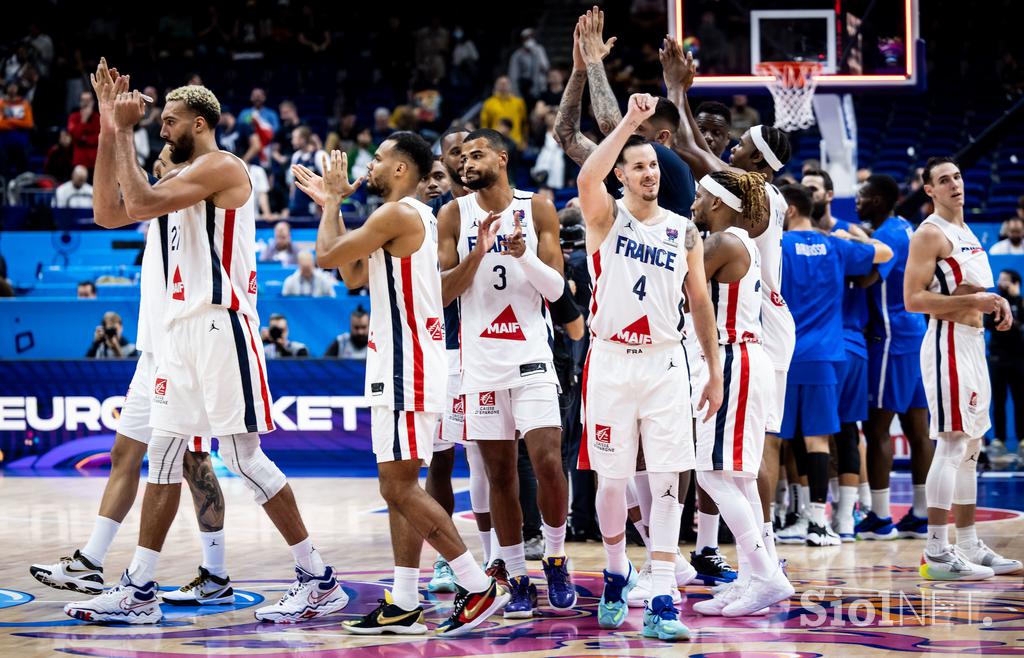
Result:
[480,501]
[767,483]
[439,486]
[848,466]
[914,524]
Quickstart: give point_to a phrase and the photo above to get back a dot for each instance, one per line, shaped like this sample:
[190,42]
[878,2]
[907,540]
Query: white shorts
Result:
[956,380]
[629,397]
[402,435]
[211,377]
[775,401]
[733,440]
[452,427]
[134,419]
[497,415]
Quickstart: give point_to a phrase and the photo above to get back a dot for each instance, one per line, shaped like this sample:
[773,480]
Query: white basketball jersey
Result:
[153,282]
[406,367]
[211,259]
[638,274]
[779,330]
[738,304]
[506,331]
[966,263]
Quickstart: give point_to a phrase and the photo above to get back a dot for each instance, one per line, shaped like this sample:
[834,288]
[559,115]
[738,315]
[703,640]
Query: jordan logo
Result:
[213,326]
[668,493]
[973,458]
[672,364]
[177,286]
[637,333]
[505,326]
[629,225]
[757,547]
[213,542]
[934,536]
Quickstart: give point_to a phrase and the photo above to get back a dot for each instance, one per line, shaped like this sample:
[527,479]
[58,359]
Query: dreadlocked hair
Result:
[749,187]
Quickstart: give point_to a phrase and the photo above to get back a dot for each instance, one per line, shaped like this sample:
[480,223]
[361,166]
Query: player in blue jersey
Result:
[814,270]
[894,371]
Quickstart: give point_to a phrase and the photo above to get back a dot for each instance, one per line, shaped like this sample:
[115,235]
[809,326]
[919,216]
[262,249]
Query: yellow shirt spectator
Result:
[503,105]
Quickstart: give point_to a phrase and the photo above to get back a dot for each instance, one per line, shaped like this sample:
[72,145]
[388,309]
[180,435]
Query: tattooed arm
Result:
[567,121]
[593,50]
[206,493]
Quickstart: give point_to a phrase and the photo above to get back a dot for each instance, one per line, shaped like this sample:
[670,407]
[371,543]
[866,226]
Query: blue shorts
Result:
[853,388]
[812,405]
[894,381]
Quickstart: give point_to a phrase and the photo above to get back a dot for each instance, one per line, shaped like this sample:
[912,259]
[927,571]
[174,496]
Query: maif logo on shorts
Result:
[435,328]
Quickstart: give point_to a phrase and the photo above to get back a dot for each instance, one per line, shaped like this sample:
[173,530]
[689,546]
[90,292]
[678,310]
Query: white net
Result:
[792,91]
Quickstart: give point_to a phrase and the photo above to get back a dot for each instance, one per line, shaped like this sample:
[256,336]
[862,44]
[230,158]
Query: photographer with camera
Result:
[108,341]
[275,340]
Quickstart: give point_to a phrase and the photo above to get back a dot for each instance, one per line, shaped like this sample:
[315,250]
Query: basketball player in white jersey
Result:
[83,571]
[764,150]
[729,446]
[947,277]
[634,382]
[210,378]
[508,375]
[395,253]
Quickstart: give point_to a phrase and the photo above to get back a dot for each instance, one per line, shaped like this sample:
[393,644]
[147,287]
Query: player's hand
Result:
[309,182]
[986,302]
[578,63]
[711,397]
[593,47]
[1003,316]
[516,244]
[487,233]
[107,84]
[677,67]
[641,106]
[335,182]
[129,108]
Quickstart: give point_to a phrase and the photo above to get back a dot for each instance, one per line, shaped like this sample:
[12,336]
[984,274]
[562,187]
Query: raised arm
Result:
[333,249]
[457,275]
[688,142]
[703,320]
[593,49]
[108,210]
[567,122]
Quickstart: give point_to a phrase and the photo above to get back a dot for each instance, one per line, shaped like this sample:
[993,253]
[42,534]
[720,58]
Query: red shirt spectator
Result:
[58,158]
[84,126]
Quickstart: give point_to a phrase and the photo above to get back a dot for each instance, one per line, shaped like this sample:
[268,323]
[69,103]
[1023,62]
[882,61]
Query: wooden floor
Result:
[864,599]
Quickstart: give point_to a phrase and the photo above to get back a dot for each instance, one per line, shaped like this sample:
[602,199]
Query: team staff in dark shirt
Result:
[1006,358]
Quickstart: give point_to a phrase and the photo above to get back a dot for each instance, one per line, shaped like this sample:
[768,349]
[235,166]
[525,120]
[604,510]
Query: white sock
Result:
[515,559]
[847,497]
[781,491]
[495,545]
[641,530]
[213,552]
[485,539]
[966,537]
[768,535]
[404,592]
[308,558]
[833,489]
[707,530]
[618,563]
[880,503]
[663,577]
[920,507]
[938,538]
[803,499]
[468,573]
[103,532]
[554,540]
[143,567]
[752,545]
[816,513]
[864,496]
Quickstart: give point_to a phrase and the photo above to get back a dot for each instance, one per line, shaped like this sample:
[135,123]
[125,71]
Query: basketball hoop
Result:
[792,90]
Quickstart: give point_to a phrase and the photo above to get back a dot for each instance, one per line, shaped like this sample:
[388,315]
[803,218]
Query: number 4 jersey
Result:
[506,329]
[638,277]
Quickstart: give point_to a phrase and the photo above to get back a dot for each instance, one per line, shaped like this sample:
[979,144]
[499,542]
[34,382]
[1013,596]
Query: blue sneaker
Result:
[443,579]
[662,621]
[912,527]
[612,609]
[561,592]
[524,598]
[859,514]
[874,527]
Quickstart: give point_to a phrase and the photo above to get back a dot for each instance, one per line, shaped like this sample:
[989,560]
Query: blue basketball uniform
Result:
[895,335]
[814,271]
[853,372]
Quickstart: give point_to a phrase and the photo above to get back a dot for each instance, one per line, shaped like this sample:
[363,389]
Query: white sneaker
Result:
[127,603]
[205,589]
[685,573]
[75,573]
[821,535]
[760,594]
[795,533]
[641,592]
[981,554]
[717,603]
[310,597]
[952,564]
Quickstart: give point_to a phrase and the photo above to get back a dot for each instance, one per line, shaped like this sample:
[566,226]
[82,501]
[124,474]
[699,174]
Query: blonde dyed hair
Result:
[200,100]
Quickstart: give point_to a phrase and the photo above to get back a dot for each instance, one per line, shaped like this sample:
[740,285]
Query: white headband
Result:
[716,188]
[762,146]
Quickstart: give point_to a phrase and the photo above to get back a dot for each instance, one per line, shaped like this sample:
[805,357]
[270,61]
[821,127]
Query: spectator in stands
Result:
[86,290]
[42,44]
[281,249]
[238,138]
[108,341]
[84,126]
[58,158]
[276,343]
[308,280]
[863,174]
[743,116]
[432,45]
[436,183]
[352,344]
[1020,206]
[76,193]
[308,153]
[550,166]
[1006,359]
[314,35]
[264,123]
[283,138]
[808,166]
[552,94]
[151,123]
[1012,234]
[381,125]
[15,125]
[361,154]
[528,67]
[504,105]
[465,57]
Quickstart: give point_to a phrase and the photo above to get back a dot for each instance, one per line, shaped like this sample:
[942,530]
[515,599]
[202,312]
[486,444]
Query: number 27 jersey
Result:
[638,275]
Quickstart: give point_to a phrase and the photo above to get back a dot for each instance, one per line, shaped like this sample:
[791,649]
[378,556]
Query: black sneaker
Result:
[388,618]
[205,589]
[473,608]
[711,566]
[497,570]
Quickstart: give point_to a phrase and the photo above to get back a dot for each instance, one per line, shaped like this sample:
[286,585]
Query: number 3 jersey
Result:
[638,277]
[506,329]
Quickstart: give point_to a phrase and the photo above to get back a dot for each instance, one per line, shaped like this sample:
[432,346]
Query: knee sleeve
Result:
[611,505]
[847,452]
[950,450]
[243,456]
[479,486]
[732,502]
[166,453]
[748,487]
[643,497]
[965,491]
[665,513]
[631,499]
